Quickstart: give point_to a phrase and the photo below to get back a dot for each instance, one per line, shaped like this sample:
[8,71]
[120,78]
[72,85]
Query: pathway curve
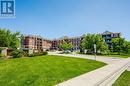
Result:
[104,76]
[108,60]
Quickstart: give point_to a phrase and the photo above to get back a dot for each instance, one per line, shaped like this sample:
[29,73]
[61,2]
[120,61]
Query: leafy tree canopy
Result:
[9,39]
[91,39]
[66,46]
[120,45]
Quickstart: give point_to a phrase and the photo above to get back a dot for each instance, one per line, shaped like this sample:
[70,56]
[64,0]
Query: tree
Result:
[91,39]
[18,53]
[126,47]
[9,39]
[117,44]
[120,45]
[66,46]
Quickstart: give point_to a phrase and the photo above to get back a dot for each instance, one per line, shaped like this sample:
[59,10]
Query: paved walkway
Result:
[104,76]
[128,69]
[108,60]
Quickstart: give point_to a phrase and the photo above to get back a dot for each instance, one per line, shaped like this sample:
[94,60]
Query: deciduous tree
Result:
[9,39]
[120,45]
[66,46]
[91,39]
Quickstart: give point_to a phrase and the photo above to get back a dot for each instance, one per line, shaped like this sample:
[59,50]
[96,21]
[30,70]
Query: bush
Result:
[79,53]
[0,55]
[38,54]
[32,55]
[44,53]
[17,53]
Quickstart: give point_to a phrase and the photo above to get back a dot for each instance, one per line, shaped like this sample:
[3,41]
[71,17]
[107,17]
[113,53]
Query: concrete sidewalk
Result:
[104,76]
[108,60]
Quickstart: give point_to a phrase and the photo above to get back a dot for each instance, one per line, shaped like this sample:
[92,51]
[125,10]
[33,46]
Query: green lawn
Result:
[117,55]
[120,56]
[43,70]
[123,80]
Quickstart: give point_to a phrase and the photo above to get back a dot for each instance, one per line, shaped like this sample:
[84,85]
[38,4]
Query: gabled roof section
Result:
[64,37]
[107,32]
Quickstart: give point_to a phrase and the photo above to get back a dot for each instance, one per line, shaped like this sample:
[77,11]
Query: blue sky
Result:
[56,18]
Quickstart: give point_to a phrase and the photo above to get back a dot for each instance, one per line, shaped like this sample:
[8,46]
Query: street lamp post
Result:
[19,38]
[95,51]
[20,41]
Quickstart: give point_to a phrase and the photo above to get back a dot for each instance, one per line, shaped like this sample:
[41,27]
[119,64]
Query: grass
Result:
[43,70]
[123,80]
[116,55]
[112,55]
[120,56]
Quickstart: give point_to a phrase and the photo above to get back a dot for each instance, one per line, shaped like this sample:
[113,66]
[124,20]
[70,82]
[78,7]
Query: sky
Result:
[56,18]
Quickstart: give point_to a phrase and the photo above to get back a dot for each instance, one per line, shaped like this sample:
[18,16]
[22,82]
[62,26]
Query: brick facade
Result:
[37,43]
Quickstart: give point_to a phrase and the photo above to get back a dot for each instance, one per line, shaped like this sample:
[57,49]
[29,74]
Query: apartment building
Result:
[35,43]
[74,40]
[107,35]
[38,44]
[46,44]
